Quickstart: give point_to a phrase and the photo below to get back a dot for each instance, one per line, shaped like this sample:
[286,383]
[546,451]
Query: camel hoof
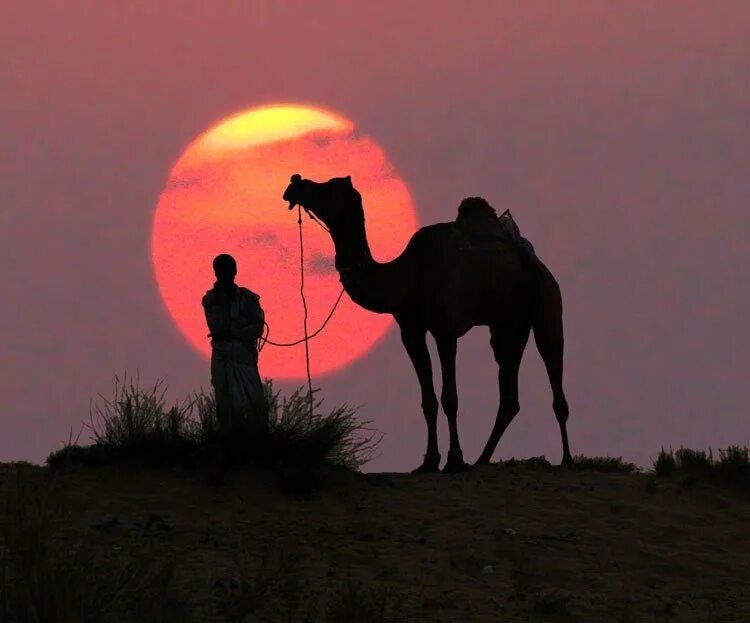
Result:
[429,465]
[455,467]
[456,463]
[567,461]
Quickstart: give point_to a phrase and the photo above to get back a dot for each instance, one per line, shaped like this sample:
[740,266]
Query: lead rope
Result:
[304,306]
[264,339]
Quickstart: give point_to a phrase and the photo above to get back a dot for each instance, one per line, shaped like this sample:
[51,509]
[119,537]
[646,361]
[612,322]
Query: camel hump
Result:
[480,223]
[475,208]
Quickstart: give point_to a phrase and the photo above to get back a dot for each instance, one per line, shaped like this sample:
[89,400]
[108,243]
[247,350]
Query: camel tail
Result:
[547,324]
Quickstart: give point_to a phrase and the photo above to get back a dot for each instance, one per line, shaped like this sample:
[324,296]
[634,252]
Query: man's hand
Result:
[222,335]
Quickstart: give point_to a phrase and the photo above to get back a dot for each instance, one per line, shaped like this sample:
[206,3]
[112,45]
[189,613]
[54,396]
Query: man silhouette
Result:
[235,320]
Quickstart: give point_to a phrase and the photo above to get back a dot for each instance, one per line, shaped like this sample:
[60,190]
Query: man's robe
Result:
[234,360]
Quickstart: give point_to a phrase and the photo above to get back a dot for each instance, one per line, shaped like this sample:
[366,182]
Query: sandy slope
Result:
[523,543]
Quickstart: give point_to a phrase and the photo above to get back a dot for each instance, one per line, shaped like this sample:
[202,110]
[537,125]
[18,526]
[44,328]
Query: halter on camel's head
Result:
[334,202]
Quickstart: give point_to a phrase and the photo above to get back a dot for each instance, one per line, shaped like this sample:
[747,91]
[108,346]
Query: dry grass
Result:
[135,424]
[732,467]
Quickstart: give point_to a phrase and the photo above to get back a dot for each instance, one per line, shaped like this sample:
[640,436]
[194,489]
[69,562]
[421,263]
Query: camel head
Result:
[335,202]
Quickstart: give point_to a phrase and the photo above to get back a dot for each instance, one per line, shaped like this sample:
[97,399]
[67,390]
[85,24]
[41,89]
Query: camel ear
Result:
[348,179]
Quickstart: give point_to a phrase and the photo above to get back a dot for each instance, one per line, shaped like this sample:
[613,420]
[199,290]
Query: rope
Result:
[312,216]
[264,338]
[304,306]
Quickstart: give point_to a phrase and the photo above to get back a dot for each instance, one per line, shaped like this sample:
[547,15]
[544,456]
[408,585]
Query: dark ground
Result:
[505,543]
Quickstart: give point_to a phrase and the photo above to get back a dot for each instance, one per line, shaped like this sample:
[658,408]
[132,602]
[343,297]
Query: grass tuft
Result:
[732,467]
[336,437]
[665,463]
[603,464]
[580,462]
[135,423]
[697,463]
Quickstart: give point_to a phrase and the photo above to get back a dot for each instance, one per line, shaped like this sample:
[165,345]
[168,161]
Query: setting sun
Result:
[223,195]
[268,124]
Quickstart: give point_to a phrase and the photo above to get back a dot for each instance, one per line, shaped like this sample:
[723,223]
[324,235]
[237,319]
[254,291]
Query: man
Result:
[235,320]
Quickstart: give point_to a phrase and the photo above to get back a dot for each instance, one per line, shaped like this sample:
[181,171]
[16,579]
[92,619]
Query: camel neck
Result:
[376,286]
[352,248]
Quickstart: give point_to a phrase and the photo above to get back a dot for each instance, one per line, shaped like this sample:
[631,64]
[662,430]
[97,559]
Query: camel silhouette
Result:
[449,278]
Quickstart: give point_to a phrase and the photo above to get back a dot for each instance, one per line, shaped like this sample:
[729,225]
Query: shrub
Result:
[135,423]
[665,463]
[694,462]
[335,438]
[532,462]
[603,464]
[732,466]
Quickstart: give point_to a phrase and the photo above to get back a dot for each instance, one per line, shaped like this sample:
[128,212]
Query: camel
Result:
[450,277]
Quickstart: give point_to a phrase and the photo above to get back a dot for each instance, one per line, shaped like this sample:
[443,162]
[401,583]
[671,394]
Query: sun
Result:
[223,195]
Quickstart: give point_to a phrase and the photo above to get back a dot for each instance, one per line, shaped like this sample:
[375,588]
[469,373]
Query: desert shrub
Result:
[312,436]
[74,454]
[732,467]
[303,442]
[580,462]
[135,423]
[206,424]
[603,464]
[665,463]
[694,462]
[532,462]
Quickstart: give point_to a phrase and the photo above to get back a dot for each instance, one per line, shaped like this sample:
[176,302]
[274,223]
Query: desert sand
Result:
[523,542]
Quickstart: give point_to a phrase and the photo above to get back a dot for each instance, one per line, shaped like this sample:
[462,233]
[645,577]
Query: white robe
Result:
[234,362]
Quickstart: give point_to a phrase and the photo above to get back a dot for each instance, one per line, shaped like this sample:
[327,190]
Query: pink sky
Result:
[617,132]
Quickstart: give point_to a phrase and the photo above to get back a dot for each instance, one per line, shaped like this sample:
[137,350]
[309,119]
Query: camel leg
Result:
[414,340]
[549,342]
[508,352]
[449,401]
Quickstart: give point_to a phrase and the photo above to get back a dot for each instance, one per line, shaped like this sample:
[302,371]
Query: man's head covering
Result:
[225,266]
